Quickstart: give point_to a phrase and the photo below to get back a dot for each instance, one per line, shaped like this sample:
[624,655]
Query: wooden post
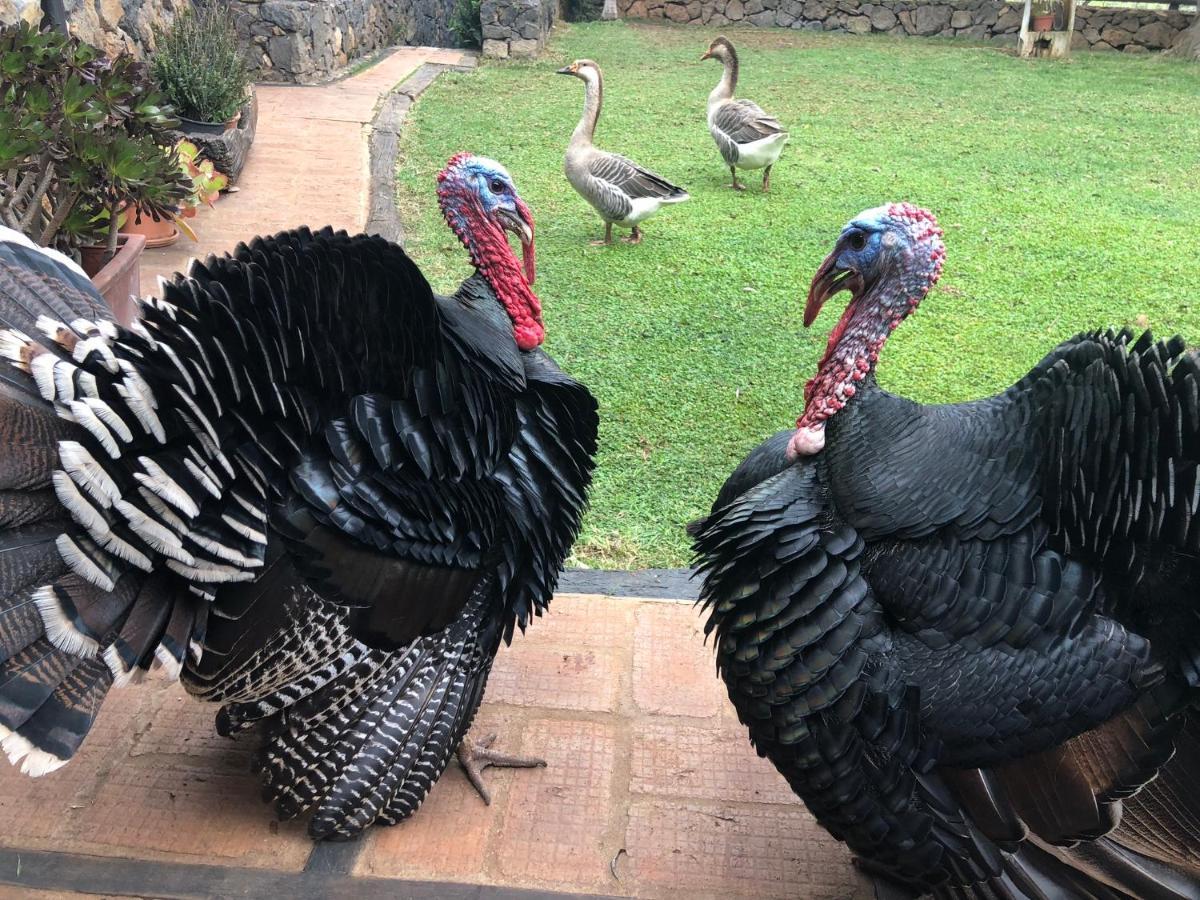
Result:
[609,13]
[1054,44]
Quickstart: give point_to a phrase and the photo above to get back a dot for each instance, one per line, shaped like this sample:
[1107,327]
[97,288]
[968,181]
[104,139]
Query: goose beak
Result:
[565,70]
[830,279]
[707,55]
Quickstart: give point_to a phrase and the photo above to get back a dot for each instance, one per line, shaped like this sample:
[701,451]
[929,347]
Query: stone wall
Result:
[1098,28]
[516,28]
[306,41]
[113,25]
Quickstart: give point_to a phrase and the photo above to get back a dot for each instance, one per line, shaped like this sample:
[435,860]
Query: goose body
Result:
[620,190]
[746,136]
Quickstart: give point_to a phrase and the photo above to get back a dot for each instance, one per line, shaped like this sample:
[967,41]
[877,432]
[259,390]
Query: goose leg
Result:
[475,756]
[607,236]
[635,236]
[737,185]
[767,179]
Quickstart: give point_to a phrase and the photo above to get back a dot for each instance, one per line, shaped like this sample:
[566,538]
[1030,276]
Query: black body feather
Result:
[315,489]
[967,634]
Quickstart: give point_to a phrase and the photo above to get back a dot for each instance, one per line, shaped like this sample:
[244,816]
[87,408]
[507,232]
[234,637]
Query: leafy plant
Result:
[200,66]
[1042,7]
[81,136]
[464,22]
[203,180]
[582,10]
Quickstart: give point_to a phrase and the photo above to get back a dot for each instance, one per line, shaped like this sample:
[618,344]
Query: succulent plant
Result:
[81,135]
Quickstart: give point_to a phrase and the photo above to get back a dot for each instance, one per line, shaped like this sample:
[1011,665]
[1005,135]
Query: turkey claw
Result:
[475,756]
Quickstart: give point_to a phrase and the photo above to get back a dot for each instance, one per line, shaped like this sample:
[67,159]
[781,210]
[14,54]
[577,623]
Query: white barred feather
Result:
[87,418]
[244,530]
[160,538]
[41,367]
[87,473]
[64,380]
[108,416]
[82,564]
[162,511]
[60,631]
[76,504]
[203,474]
[166,487]
[34,762]
[210,573]
[13,347]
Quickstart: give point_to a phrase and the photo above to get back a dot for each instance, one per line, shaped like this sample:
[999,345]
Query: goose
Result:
[620,190]
[747,137]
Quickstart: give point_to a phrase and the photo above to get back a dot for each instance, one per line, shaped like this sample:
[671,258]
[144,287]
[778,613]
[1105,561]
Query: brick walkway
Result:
[652,789]
[308,164]
[620,697]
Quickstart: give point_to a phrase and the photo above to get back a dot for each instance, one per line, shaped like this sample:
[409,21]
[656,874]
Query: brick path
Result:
[308,164]
[652,789]
[620,697]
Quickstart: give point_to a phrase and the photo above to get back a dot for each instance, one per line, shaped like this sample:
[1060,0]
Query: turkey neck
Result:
[493,259]
[728,83]
[593,97]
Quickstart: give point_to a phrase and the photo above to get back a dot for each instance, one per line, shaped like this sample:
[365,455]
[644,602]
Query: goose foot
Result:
[475,756]
[767,180]
[635,236]
[607,236]
[737,185]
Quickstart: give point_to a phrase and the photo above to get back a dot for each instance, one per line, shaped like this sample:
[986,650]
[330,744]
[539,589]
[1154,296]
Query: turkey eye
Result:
[858,240]
[497,186]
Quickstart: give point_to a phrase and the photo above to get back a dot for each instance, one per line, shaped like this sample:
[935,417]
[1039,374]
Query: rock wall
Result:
[306,41]
[1098,28]
[113,25]
[516,28]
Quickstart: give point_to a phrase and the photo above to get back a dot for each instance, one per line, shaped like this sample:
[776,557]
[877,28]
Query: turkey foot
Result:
[767,180]
[635,236]
[737,185]
[475,756]
[607,236]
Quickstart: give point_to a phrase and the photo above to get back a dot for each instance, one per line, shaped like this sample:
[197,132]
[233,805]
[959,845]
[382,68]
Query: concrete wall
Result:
[1098,28]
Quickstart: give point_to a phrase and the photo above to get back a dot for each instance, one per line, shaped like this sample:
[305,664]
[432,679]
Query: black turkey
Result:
[320,492]
[969,635]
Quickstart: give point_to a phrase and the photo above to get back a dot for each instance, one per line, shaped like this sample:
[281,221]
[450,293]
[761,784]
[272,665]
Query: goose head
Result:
[583,69]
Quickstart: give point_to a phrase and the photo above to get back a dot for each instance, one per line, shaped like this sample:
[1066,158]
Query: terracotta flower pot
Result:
[1042,23]
[118,280]
[162,233]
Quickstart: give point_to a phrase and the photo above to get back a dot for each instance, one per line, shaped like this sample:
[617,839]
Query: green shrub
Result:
[81,136]
[200,66]
[465,24]
[582,10]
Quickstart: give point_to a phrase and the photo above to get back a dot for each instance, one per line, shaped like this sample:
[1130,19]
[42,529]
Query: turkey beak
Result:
[520,223]
[828,281]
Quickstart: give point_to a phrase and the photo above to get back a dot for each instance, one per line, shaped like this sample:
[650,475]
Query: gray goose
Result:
[620,190]
[747,137]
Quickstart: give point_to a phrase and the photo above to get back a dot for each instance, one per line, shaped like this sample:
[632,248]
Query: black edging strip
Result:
[383,218]
[665,584]
[334,857]
[115,876]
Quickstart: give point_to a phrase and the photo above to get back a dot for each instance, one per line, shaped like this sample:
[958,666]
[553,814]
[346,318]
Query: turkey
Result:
[969,635]
[317,491]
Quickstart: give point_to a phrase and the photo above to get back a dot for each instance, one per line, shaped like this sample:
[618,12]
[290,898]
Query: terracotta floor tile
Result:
[766,852]
[710,762]
[189,814]
[555,824]
[669,649]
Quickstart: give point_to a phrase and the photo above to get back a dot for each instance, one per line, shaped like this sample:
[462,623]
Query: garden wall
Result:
[113,25]
[516,28]
[307,40]
[1097,28]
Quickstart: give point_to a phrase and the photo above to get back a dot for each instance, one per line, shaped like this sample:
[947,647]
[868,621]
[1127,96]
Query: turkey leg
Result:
[475,756]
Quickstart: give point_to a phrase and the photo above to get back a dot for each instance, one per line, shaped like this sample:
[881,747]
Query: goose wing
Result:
[743,122]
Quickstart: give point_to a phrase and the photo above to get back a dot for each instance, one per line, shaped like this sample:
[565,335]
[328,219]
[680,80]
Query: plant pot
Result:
[195,126]
[228,150]
[1042,23]
[118,280]
[162,233]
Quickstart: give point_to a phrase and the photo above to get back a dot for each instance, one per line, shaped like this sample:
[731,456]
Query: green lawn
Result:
[1069,192]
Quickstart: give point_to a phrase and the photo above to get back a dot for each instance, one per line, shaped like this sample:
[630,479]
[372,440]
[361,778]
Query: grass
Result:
[1067,190]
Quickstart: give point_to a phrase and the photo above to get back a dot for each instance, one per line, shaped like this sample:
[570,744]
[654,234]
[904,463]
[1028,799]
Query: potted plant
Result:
[1042,15]
[205,184]
[80,139]
[200,68]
